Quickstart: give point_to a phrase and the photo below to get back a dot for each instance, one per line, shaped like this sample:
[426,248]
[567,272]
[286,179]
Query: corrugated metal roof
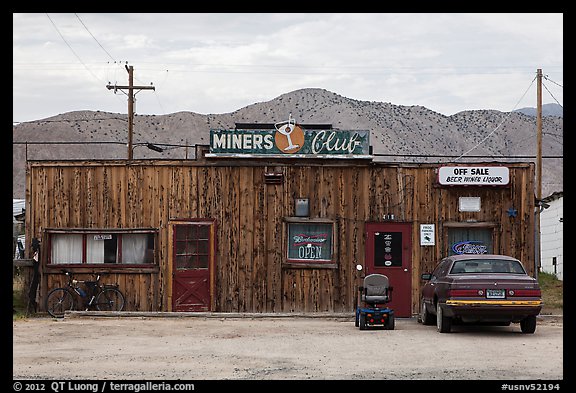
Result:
[18,206]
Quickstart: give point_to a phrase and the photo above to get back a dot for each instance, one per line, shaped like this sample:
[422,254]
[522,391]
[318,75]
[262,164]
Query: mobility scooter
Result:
[371,310]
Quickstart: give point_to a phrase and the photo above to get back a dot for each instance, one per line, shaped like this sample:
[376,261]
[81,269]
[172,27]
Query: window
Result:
[441,269]
[192,242]
[388,249]
[310,243]
[487,266]
[102,247]
[467,240]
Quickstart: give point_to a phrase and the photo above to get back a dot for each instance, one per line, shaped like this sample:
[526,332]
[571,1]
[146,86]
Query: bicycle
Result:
[101,297]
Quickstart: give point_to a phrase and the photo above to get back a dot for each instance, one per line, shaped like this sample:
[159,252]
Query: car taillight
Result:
[465,292]
[525,292]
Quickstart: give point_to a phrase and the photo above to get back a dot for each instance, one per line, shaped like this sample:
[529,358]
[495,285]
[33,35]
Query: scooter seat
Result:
[375,298]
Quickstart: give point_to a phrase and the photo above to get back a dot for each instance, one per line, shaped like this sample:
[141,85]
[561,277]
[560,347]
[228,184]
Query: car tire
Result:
[443,323]
[356,321]
[528,324]
[425,317]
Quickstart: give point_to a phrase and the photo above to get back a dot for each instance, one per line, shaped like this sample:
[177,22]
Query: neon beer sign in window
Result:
[310,242]
[470,247]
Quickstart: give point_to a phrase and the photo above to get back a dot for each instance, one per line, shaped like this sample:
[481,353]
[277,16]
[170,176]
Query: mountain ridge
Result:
[547,110]
[397,133]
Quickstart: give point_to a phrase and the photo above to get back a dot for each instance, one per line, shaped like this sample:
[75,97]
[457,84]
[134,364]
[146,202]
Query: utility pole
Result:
[131,95]
[539,133]
[537,236]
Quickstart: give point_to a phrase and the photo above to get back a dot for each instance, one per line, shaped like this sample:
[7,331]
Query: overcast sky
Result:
[218,63]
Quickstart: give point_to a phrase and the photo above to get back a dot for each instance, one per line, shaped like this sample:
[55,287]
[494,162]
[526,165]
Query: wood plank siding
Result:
[250,221]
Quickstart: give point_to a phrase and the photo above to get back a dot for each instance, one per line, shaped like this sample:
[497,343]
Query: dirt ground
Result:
[286,348]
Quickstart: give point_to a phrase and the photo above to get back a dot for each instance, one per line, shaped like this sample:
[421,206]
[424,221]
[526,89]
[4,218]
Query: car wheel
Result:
[425,317]
[528,324]
[443,323]
[362,321]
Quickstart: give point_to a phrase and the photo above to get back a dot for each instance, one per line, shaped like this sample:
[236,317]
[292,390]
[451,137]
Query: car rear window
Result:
[487,266]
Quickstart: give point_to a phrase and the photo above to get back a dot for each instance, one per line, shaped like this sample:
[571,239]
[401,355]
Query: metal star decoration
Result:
[512,212]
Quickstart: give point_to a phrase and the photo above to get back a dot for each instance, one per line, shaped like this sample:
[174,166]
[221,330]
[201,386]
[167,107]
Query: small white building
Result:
[551,235]
[18,208]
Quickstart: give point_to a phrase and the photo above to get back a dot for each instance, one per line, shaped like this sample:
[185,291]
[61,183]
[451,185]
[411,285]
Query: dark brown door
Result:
[389,252]
[192,264]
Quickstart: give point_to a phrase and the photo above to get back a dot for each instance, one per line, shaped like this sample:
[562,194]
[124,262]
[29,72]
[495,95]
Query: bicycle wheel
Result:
[110,299]
[58,301]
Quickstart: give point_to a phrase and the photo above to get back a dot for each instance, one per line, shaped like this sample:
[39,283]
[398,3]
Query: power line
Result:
[559,138]
[130,87]
[499,125]
[174,145]
[315,69]
[547,78]
[69,46]
[69,143]
[159,103]
[109,55]
[552,95]
[453,156]
[319,71]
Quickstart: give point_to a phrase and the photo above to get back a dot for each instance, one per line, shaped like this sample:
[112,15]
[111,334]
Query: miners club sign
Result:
[290,139]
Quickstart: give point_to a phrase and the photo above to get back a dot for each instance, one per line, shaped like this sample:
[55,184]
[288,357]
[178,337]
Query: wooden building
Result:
[237,233]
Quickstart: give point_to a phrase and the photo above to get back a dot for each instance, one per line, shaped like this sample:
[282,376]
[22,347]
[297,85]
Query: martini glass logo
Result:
[289,137]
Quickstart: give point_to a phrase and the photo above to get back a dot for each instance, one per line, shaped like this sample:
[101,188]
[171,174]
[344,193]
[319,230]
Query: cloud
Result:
[217,63]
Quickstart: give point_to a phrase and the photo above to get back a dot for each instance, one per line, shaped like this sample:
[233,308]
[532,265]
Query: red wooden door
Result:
[389,252]
[192,266]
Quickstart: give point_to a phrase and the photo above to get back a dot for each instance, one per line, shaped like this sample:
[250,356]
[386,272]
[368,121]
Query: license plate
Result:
[495,293]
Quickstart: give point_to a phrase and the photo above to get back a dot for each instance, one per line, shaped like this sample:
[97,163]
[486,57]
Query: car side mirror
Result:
[426,276]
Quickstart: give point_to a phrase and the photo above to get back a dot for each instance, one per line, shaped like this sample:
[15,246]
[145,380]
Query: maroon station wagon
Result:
[480,288]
